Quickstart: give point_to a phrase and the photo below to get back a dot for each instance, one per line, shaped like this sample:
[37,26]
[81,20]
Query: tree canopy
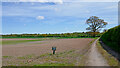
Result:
[95,24]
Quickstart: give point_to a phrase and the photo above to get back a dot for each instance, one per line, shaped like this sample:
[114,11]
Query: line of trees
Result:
[75,34]
[95,25]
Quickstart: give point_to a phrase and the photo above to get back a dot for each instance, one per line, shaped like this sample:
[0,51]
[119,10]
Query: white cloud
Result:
[40,17]
[112,7]
[87,11]
[60,1]
[90,0]
[56,9]
[42,1]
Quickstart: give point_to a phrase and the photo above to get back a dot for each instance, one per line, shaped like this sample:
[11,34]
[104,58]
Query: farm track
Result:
[94,57]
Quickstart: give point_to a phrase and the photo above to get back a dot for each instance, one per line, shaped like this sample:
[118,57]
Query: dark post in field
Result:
[54,49]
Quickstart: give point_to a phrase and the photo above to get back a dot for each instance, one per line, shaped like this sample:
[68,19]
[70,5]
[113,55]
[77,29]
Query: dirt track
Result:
[95,58]
[41,47]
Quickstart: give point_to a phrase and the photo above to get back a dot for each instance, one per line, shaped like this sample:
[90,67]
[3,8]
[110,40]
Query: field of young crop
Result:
[38,52]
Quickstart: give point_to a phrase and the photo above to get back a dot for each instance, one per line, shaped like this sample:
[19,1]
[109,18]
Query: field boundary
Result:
[85,57]
[110,51]
[107,53]
[0,52]
[94,56]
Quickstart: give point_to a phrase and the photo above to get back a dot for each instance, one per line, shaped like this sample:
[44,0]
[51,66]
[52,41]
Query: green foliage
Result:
[95,24]
[7,56]
[6,42]
[25,57]
[62,35]
[112,38]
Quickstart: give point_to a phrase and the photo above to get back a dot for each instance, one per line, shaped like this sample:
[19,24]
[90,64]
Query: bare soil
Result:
[41,47]
[38,52]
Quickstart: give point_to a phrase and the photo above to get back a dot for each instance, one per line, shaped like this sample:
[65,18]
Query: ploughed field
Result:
[38,52]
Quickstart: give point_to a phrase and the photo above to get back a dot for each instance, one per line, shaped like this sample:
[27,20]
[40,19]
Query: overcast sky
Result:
[55,17]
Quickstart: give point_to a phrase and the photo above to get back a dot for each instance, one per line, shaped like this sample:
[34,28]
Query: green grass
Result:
[0,42]
[26,57]
[74,37]
[8,42]
[7,56]
[112,61]
[49,37]
[58,59]
[54,64]
[66,58]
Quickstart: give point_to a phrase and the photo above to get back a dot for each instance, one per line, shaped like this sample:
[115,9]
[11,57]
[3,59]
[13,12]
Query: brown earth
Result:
[41,47]
[15,54]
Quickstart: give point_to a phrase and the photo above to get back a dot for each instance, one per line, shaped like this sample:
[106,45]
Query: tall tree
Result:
[95,24]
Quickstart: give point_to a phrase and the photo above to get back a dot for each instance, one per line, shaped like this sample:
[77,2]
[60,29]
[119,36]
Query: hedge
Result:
[112,38]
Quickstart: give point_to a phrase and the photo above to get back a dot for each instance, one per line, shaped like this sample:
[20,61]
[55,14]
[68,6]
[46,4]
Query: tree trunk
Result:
[93,33]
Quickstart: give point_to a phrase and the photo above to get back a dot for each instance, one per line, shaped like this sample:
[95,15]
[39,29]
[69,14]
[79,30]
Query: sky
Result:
[55,17]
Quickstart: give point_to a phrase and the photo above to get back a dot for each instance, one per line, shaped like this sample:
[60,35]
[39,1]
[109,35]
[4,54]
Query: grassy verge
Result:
[110,59]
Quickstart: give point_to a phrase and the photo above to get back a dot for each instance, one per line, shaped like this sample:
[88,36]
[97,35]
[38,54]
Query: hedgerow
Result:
[112,38]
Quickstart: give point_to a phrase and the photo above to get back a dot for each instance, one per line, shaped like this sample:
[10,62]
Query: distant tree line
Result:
[72,35]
